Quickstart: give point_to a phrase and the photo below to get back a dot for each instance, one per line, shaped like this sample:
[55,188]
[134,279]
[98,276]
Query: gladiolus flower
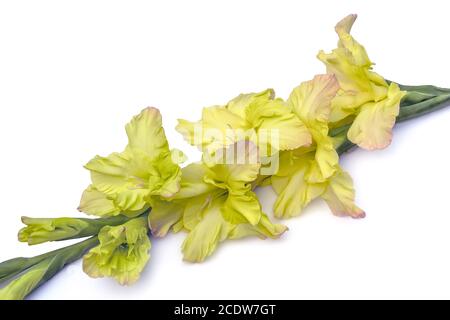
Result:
[308,173]
[126,182]
[365,96]
[215,203]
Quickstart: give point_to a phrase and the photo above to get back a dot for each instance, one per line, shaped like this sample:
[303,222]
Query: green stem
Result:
[346,146]
[425,89]
[408,112]
[38,270]
[66,256]
[13,267]
[35,271]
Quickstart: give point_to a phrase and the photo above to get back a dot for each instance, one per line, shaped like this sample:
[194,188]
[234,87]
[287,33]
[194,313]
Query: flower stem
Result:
[415,110]
[13,267]
[31,273]
[35,271]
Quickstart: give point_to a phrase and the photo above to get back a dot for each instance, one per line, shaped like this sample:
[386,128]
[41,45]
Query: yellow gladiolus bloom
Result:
[126,182]
[215,203]
[257,117]
[364,96]
[309,173]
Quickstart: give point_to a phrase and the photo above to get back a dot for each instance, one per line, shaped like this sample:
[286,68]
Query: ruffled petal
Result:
[311,101]
[213,229]
[126,182]
[195,210]
[257,117]
[285,132]
[202,241]
[340,196]
[243,208]
[192,183]
[145,132]
[353,69]
[163,216]
[234,168]
[347,104]
[277,126]
[240,104]
[216,129]
[356,52]
[294,193]
[264,229]
[96,203]
[372,128]
[122,253]
[326,159]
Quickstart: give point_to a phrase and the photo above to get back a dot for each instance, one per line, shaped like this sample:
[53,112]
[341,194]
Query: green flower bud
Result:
[40,230]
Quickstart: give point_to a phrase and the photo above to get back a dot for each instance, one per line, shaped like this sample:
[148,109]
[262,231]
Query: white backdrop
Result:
[72,73]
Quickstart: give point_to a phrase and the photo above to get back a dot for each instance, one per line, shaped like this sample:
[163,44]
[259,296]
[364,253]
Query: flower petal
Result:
[96,203]
[347,42]
[126,182]
[240,104]
[145,132]
[340,196]
[346,104]
[202,241]
[352,66]
[311,101]
[234,168]
[242,119]
[130,178]
[214,131]
[294,193]
[372,128]
[284,132]
[163,216]
[192,183]
[118,177]
[242,209]
[272,120]
[264,229]
[122,253]
[164,176]
[325,156]
[195,209]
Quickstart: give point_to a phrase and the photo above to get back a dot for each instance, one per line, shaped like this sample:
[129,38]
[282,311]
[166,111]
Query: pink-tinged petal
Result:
[372,128]
[311,101]
[340,196]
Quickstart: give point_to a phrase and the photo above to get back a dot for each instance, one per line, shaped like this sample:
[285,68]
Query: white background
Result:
[72,73]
